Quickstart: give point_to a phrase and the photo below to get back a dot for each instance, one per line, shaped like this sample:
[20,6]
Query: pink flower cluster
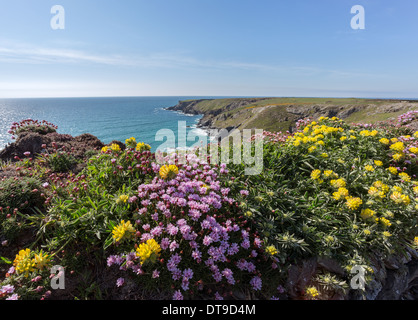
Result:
[199,227]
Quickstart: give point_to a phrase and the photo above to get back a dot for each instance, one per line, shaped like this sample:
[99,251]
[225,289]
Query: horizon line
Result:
[215,97]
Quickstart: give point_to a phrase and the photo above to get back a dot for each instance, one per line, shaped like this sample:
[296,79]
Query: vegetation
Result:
[201,230]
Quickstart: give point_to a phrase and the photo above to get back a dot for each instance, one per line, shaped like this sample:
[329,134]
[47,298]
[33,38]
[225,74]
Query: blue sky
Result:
[209,48]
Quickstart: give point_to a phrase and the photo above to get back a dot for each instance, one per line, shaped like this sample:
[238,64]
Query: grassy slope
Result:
[243,113]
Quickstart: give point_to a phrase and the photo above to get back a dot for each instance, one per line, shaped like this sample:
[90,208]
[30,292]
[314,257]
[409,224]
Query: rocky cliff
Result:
[280,114]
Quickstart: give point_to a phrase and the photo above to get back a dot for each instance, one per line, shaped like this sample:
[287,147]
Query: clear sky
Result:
[209,48]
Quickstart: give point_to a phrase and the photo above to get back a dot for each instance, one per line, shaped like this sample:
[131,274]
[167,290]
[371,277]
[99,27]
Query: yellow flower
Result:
[23,262]
[414,150]
[115,147]
[384,141]
[330,173]
[386,234]
[405,177]
[415,134]
[393,140]
[315,174]
[271,250]
[312,292]
[41,260]
[131,142]
[123,231]
[339,183]
[311,149]
[416,238]
[148,251]
[353,137]
[400,198]
[105,148]
[343,138]
[340,194]
[398,146]
[366,232]
[367,214]
[320,143]
[385,222]
[122,199]
[381,186]
[378,163]
[369,168]
[393,170]
[141,146]
[373,191]
[353,202]
[415,189]
[168,171]
[398,156]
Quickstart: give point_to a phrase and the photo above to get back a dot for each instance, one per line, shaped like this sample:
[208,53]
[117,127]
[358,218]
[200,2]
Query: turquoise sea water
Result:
[114,118]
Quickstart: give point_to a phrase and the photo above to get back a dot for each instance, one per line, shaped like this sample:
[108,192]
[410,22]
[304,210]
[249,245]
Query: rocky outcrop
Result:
[35,143]
[394,278]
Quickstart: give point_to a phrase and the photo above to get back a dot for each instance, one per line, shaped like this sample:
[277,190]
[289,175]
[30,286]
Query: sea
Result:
[108,118]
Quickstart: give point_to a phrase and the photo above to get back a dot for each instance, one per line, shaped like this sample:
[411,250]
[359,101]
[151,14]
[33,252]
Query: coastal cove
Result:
[108,118]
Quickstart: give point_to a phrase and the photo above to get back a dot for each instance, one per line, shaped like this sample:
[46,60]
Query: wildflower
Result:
[256,283]
[398,156]
[23,262]
[123,231]
[168,171]
[416,238]
[315,174]
[122,199]
[385,222]
[339,183]
[340,194]
[414,150]
[405,177]
[398,146]
[378,163]
[141,146]
[149,250]
[177,295]
[353,203]
[324,155]
[311,149]
[14,296]
[386,234]
[415,189]
[400,198]
[105,149]
[367,213]
[369,168]
[343,138]
[41,260]
[384,141]
[115,147]
[373,191]
[271,250]
[393,170]
[131,142]
[329,173]
[366,232]
[312,292]
[120,282]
